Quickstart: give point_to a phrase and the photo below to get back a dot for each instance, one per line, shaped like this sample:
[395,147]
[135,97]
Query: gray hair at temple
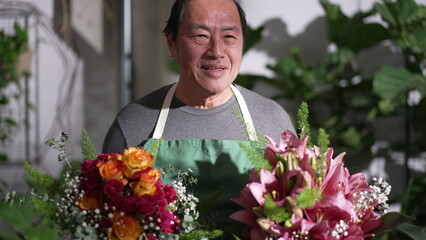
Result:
[176,15]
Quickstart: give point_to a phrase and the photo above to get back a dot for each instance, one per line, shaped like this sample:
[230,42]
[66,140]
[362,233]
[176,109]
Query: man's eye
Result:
[201,36]
[229,36]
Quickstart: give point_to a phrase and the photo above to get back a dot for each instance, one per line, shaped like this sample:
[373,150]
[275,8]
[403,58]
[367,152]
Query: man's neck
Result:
[202,100]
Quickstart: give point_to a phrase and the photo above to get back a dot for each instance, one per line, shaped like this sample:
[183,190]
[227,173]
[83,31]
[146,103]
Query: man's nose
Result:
[215,48]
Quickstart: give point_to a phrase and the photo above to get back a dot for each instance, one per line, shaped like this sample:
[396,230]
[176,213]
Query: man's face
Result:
[208,46]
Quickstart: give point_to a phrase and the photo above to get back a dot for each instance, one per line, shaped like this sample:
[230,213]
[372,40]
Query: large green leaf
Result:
[387,12]
[413,231]
[336,20]
[16,215]
[253,37]
[364,36]
[412,199]
[391,221]
[416,40]
[407,10]
[390,82]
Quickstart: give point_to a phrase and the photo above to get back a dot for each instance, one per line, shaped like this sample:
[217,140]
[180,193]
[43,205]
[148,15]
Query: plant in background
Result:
[348,105]
[12,48]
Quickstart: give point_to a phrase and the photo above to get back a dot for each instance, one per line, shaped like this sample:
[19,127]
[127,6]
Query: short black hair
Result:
[178,10]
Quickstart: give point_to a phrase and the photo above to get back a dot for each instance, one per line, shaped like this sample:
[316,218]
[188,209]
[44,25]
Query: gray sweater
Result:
[135,123]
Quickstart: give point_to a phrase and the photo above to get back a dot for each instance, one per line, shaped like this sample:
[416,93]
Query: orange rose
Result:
[124,228]
[146,182]
[87,203]
[136,160]
[112,169]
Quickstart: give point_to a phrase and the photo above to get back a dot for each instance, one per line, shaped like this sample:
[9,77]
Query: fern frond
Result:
[46,208]
[256,158]
[43,183]
[87,149]
[303,123]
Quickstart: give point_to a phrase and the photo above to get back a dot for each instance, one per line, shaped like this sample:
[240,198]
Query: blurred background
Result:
[360,65]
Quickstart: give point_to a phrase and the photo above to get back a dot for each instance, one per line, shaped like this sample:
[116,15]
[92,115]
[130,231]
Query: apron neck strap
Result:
[162,118]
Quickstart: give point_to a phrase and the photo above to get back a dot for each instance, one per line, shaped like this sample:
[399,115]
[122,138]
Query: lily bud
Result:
[280,170]
[307,180]
[265,224]
[292,205]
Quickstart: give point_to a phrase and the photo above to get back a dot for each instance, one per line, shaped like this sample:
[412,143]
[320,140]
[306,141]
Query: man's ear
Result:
[171,45]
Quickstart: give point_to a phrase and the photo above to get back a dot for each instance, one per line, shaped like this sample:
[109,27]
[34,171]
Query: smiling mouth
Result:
[213,68]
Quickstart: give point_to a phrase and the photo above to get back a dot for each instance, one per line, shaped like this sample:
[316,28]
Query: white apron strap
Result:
[162,118]
[246,114]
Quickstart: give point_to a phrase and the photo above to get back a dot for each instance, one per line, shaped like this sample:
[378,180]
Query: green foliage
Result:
[24,222]
[257,159]
[60,145]
[253,37]
[303,121]
[154,148]
[307,197]
[44,206]
[42,183]
[343,102]
[323,140]
[200,234]
[274,212]
[11,48]
[87,149]
[412,200]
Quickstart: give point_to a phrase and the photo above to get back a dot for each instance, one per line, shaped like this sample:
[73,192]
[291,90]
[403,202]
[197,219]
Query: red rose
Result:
[118,202]
[130,203]
[170,193]
[146,205]
[113,188]
[169,222]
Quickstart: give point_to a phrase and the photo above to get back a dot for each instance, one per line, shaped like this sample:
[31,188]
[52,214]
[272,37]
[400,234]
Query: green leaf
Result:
[257,160]
[352,137]
[17,215]
[303,122]
[3,157]
[386,11]
[390,82]
[43,183]
[9,234]
[307,197]
[253,37]
[415,232]
[274,212]
[323,140]
[88,150]
[364,36]
[407,10]
[391,221]
[416,40]
[45,207]
[336,21]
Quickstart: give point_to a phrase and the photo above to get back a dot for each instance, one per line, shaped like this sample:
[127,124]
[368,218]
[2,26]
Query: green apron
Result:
[221,166]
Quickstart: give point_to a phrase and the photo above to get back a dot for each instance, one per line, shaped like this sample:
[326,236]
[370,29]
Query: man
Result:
[203,118]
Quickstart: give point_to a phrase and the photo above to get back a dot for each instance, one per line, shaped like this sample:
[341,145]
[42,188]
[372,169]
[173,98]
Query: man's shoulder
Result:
[255,100]
[150,102]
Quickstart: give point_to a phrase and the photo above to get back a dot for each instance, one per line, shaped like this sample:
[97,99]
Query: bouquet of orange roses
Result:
[117,196]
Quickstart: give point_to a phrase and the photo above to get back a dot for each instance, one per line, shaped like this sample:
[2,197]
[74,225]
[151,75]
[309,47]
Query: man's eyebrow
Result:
[227,28]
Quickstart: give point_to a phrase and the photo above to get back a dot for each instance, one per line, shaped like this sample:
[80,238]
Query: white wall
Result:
[58,102]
